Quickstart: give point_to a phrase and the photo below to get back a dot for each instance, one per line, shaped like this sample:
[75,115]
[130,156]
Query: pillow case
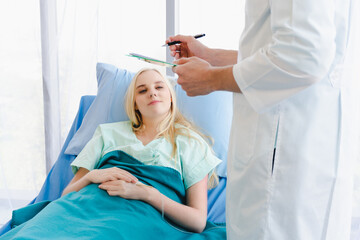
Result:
[107,107]
[211,113]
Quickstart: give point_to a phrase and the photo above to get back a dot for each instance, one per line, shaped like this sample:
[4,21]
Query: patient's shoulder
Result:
[123,126]
[188,136]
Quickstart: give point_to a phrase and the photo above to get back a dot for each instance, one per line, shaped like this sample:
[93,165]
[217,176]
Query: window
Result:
[222,23]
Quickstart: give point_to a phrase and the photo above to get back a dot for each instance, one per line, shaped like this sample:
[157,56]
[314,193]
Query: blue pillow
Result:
[211,113]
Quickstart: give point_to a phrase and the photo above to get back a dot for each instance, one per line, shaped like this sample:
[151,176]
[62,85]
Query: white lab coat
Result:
[297,95]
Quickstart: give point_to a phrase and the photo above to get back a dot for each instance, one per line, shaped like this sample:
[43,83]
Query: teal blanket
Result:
[92,214]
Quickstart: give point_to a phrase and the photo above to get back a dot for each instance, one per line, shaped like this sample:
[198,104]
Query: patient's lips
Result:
[154,102]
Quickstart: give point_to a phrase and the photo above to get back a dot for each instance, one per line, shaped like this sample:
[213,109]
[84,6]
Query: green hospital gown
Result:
[194,158]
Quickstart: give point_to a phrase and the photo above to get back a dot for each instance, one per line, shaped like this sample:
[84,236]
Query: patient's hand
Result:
[125,190]
[110,174]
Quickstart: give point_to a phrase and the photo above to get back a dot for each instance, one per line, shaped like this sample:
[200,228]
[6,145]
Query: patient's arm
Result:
[191,216]
[84,177]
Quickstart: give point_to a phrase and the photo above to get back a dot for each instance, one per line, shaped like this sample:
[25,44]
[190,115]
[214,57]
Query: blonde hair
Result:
[167,126]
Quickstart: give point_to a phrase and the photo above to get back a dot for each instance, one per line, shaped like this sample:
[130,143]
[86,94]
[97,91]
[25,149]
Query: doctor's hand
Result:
[188,47]
[125,189]
[195,76]
[110,174]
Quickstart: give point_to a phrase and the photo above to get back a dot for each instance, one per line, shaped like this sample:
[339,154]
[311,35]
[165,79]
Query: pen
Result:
[177,42]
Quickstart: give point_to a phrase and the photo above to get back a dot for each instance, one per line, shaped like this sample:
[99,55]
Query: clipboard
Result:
[151,60]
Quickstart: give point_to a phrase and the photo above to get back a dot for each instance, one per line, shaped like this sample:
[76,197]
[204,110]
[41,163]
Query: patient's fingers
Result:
[125,177]
[104,175]
[112,193]
[123,173]
[111,185]
[107,178]
[112,176]
[114,187]
[124,189]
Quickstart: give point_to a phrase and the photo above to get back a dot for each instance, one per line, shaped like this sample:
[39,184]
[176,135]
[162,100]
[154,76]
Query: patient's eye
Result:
[159,87]
[142,91]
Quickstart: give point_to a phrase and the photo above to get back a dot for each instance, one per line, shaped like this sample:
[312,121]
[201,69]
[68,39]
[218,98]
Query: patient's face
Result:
[152,95]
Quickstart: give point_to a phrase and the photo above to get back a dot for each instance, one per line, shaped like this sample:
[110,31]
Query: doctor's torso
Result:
[307,131]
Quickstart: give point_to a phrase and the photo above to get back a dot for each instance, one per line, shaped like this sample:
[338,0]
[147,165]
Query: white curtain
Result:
[50,75]
[22,166]
[92,31]
[77,35]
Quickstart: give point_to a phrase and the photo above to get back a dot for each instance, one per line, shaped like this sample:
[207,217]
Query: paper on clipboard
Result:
[151,60]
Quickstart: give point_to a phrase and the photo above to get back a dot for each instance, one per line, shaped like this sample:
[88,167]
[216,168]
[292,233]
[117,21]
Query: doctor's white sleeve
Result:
[299,54]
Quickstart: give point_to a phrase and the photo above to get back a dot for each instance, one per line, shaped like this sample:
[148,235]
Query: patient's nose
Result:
[152,93]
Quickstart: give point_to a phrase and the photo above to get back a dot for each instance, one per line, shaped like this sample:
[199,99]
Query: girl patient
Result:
[139,179]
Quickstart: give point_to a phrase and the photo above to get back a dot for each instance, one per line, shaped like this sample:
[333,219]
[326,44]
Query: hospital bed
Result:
[213,113]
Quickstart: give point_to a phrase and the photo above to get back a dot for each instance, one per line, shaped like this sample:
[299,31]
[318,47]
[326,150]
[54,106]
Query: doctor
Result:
[293,135]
